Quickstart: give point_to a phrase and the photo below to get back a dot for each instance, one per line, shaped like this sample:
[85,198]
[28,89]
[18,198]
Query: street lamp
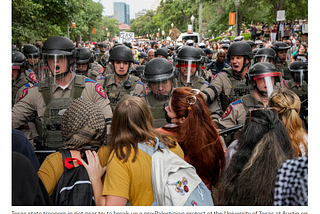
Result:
[172,26]
[159,33]
[237,4]
[192,20]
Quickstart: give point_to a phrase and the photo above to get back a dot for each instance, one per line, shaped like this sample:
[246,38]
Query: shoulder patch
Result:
[100,91]
[217,74]
[227,112]
[35,85]
[24,93]
[90,80]
[100,68]
[27,85]
[236,102]
[101,78]
[139,82]
[205,82]
[33,77]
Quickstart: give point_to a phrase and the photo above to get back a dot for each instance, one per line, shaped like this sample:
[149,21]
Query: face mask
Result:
[168,119]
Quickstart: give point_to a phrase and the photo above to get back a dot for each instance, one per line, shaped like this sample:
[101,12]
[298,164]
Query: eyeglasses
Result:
[258,109]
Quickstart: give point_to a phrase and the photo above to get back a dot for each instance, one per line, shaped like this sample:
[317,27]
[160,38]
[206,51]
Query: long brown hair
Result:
[132,123]
[197,135]
[289,104]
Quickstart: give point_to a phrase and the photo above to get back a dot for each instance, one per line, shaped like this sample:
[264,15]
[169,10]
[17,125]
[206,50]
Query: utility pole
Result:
[200,21]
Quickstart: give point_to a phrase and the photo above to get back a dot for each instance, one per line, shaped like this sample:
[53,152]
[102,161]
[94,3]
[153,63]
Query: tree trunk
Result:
[277,5]
[185,17]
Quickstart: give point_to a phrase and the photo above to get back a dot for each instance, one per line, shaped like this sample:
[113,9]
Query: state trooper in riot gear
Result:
[252,44]
[189,69]
[281,49]
[32,55]
[158,75]
[263,78]
[143,58]
[85,64]
[109,69]
[20,84]
[120,83]
[265,55]
[138,71]
[102,58]
[161,52]
[48,99]
[231,83]
[20,81]
[298,84]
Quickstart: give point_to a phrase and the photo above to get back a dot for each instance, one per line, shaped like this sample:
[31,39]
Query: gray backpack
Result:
[174,181]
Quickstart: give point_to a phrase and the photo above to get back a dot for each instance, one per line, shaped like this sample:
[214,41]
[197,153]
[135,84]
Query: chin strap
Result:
[262,93]
[243,66]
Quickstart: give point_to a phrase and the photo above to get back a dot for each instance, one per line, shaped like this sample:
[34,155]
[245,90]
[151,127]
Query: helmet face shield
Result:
[55,65]
[188,69]
[298,76]
[33,59]
[161,88]
[263,58]
[265,83]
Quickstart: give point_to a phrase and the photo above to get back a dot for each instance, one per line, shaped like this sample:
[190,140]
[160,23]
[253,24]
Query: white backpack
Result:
[174,181]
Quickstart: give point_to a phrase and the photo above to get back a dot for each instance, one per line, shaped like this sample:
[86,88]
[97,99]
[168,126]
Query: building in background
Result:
[121,12]
[140,13]
[155,4]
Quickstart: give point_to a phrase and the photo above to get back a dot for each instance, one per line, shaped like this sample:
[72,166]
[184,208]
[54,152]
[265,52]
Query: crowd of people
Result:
[236,111]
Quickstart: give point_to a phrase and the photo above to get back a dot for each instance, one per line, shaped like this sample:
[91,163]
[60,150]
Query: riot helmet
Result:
[226,41]
[254,51]
[58,57]
[280,47]
[240,49]
[238,38]
[158,74]
[119,54]
[259,44]
[161,52]
[251,43]
[32,54]
[84,58]
[14,48]
[189,61]
[299,71]
[170,47]
[19,64]
[138,71]
[103,47]
[225,47]
[178,45]
[142,55]
[264,55]
[263,77]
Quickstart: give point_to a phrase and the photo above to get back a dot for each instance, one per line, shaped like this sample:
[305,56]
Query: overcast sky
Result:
[135,6]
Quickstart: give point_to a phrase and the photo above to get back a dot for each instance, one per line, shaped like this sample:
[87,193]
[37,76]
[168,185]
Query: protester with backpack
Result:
[128,179]
[189,121]
[83,128]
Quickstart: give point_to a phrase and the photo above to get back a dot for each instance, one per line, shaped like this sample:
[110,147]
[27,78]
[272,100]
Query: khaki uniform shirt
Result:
[33,102]
[116,91]
[32,77]
[293,87]
[283,68]
[237,111]
[196,83]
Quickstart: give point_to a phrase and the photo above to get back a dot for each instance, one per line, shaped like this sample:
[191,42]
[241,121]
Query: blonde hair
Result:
[289,104]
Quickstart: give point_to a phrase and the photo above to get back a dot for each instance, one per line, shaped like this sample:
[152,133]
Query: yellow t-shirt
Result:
[52,168]
[132,180]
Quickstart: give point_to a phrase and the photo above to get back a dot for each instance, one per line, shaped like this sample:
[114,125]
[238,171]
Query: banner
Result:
[175,33]
[108,34]
[170,30]
[126,37]
[163,33]
[281,15]
[157,34]
[94,30]
[232,18]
